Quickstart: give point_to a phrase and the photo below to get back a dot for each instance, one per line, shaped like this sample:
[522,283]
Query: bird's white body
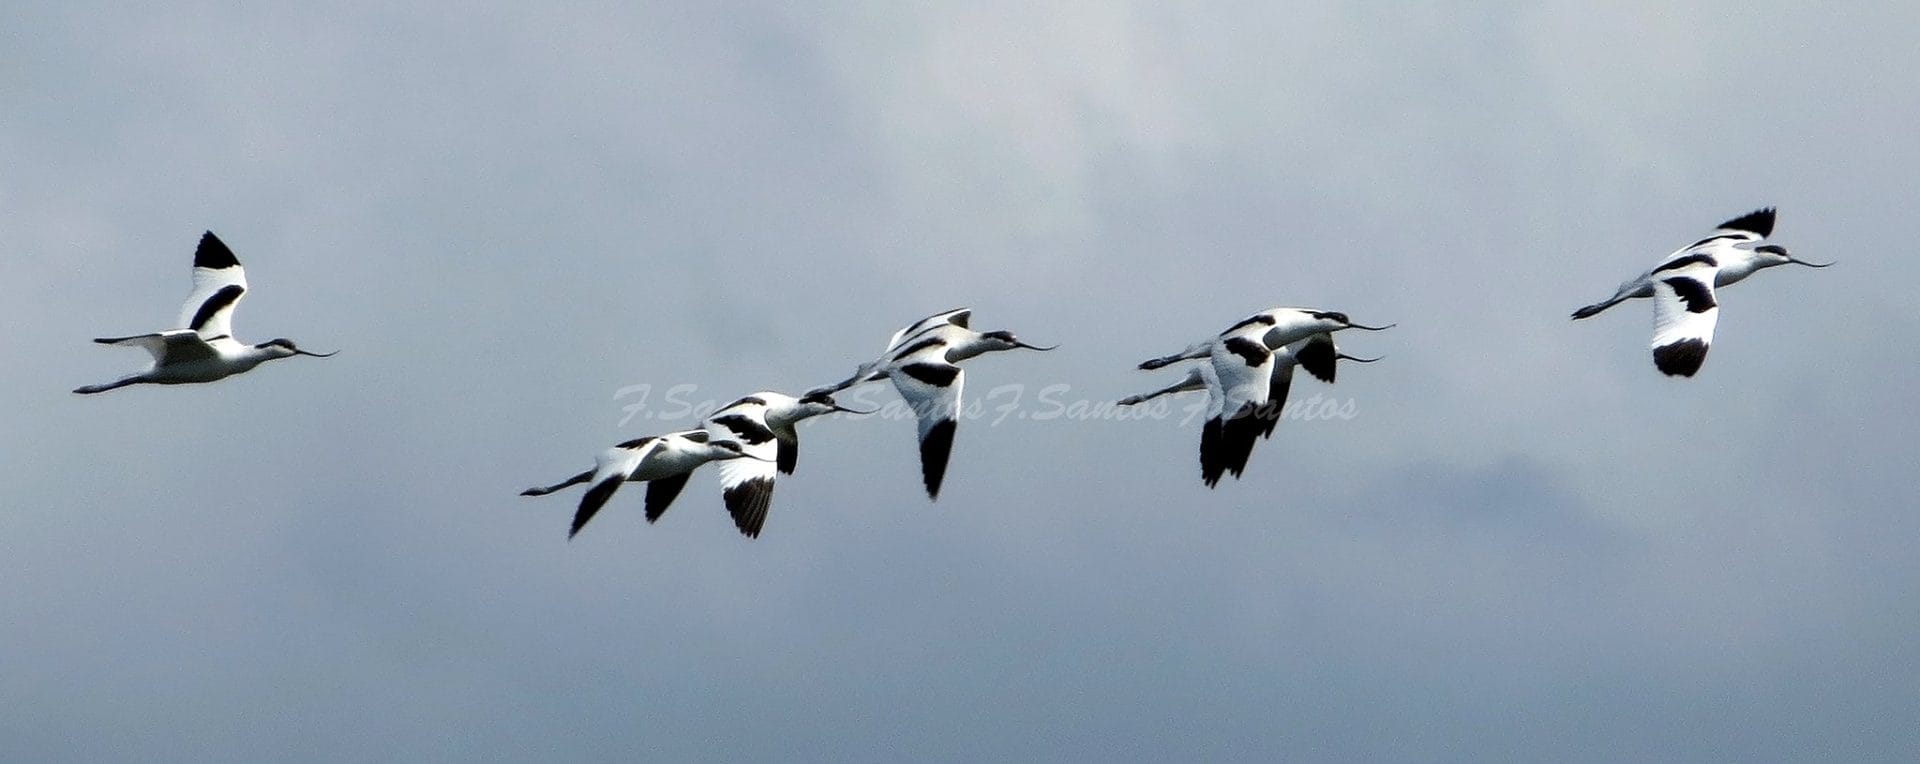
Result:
[183,356]
[673,454]
[1731,249]
[204,349]
[1683,284]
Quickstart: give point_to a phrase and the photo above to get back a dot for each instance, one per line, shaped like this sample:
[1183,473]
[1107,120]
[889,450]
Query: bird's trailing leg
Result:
[116,384]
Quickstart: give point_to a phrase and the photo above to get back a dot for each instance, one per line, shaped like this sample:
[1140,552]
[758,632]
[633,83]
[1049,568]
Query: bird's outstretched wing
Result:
[931,386]
[1684,313]
[746,484]
[169,347]
[611,468]
[1753,226]
[661,492]
[957,317]
[1244,367]
[218,284]
[1318,355]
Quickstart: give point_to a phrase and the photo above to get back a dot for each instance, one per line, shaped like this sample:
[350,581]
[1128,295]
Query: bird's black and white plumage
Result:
[664,462]
[1248,371]
[1684,284]
[923,361]
[764,424]
[203,348]
[1318,355]
[1684,312]
[1244,366]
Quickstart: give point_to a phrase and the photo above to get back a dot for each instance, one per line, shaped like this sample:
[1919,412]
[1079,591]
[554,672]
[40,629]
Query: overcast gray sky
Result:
[1526,543]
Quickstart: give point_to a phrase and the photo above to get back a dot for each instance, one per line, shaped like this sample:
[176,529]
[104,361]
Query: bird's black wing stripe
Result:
[1261,319]
[746,428]
[1682,262]
[919,346]
[1698,296]
[221,299]
[1253,352]
[938,375]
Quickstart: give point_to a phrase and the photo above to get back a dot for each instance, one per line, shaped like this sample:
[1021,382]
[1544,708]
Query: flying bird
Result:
[763,423]
[1248,371]
[203,349]
[1317,354]
[923,360]
[1686,306]
[664,462]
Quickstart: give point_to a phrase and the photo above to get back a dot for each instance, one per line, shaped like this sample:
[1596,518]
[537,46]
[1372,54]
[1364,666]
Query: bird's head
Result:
[820,402]
[1004,340]
[1333,321]
[1774,254]
[283,348]
[725,449]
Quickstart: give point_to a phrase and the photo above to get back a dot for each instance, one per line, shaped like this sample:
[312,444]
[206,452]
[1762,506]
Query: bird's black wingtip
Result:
[935,448]
[1680,359]
[1758,222]
[213,253]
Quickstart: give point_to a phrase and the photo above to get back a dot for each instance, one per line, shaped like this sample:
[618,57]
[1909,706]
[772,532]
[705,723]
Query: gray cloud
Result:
[1526,544]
